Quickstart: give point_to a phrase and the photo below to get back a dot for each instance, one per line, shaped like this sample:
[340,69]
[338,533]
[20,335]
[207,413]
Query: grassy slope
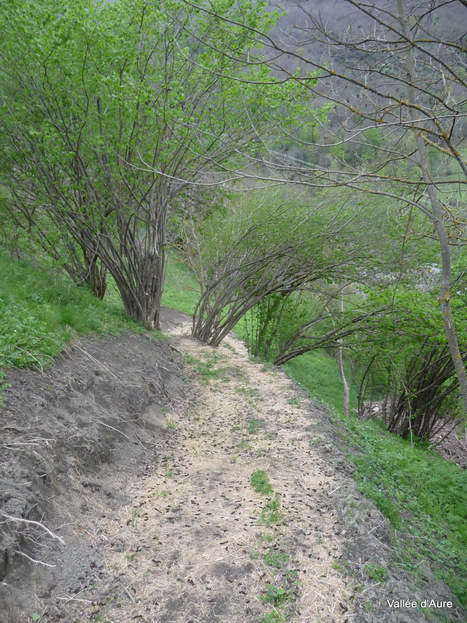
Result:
[423,495]
[40,313]
[181,291]
[318,372]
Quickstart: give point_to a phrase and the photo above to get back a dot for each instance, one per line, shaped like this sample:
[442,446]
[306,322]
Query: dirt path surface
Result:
[205,546]
[170,529]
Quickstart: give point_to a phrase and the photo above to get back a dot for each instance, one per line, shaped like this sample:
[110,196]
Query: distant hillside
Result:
[296,27]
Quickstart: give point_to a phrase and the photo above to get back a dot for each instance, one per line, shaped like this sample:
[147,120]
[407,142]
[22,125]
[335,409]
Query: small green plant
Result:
[260,482]
[272,513]
[296,402]
[253,405]
[276,559]
[206,370]
[134,515]
[172,425]
[254,426]
[292,574]
[35,616]
[247,391]
[264,538]
[276,595]
[377,573]
[274,617]
[340,565]
[3,386]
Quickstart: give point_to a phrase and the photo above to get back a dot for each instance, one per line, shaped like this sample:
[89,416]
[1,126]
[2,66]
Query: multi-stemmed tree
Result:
[111,110]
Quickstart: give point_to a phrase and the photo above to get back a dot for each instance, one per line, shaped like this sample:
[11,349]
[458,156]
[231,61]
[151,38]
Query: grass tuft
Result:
[181,290]
[260,482]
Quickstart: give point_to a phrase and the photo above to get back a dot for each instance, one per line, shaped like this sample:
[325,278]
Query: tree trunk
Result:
[438,219]
[96,275]
[141,294]
[340,361]
[144,308]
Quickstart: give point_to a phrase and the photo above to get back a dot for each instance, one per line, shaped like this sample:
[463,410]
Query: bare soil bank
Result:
[137,472]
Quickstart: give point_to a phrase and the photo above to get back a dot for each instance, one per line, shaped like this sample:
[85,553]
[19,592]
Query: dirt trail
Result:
[196,548]
[142,467]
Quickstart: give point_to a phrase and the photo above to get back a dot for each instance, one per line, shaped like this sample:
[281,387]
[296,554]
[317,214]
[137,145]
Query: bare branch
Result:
[32,523]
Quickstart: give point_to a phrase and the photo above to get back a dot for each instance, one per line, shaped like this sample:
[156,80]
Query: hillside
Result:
[297,28]
[233,311]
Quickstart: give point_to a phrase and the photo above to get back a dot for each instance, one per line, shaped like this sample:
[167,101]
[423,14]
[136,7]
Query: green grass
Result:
[272,513]
[276,558]
[422,495]
[40,313]
[282,596]
[274,617]
[276,595]
[377,573]
[317,372]
[260,482]
[254,426]
[181,290]
[206,369]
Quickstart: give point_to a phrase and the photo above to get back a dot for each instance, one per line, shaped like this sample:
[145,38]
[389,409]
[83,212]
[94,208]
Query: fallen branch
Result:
[34,523]
[37,562]
[97,362]
[67,599]
[128,593]
[31,355]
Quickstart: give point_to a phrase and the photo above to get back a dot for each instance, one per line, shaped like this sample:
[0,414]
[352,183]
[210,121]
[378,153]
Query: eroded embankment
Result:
[72,436]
